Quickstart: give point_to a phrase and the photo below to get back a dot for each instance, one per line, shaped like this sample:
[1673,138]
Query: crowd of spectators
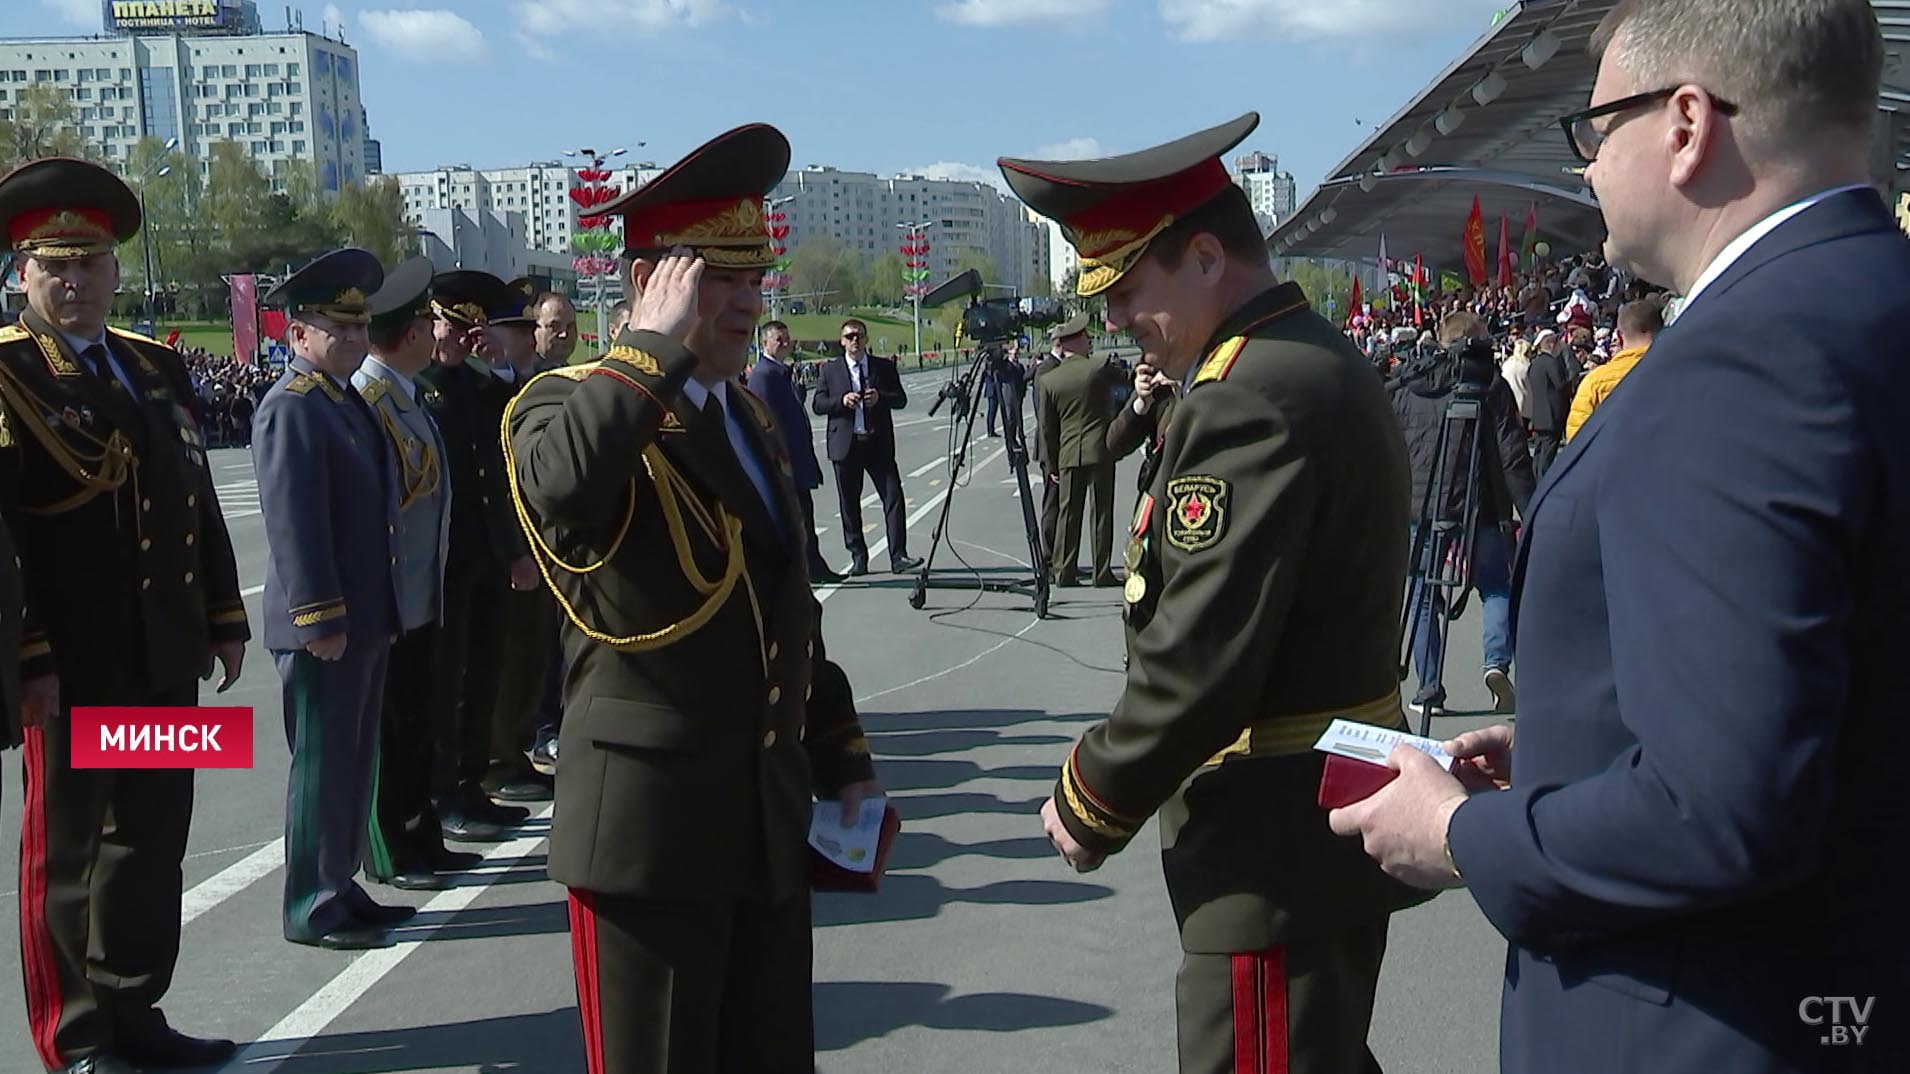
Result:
[226,392]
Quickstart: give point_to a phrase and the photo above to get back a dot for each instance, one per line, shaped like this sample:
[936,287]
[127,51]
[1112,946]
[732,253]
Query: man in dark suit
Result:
[684,798]
[131,593]
[1262,603]
[1076,399]
[858,392]
[328,494]
[770,379]
[1697,842]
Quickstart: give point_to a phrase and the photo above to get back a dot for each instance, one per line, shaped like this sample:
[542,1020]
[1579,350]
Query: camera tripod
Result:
[966,391]
[1439,567]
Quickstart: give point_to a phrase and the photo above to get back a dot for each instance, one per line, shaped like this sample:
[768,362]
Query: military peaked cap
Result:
[710,201]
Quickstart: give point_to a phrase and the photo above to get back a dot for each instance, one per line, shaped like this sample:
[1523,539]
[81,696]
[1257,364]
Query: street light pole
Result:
[770,205]
[915,290]
[596,164]
[145,223]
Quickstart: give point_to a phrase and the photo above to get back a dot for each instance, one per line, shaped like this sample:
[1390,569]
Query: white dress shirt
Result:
[859,374]
[112,360]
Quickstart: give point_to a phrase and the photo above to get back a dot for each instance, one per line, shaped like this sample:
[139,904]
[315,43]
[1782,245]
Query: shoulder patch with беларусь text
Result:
[1197,511]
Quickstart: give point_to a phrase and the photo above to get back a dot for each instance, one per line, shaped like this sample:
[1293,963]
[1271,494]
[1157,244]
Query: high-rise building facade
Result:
[869,215]
[540,191]
[1272,191]
[199,72]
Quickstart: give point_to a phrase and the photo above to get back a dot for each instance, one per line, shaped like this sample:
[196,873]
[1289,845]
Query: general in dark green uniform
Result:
[701,712]
[131,591]
[1263,598]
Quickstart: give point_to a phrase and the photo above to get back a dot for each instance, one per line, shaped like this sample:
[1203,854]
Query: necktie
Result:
[862,385]
[102,366]
[716,417]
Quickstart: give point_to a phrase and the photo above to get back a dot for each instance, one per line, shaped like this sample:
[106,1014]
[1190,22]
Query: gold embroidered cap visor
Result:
[1112,208]
[710,201]
[59,207]
[466,297]
[338,285]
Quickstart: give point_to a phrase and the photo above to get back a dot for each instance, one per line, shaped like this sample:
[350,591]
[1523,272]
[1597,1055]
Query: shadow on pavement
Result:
[912,897]
[915,775]
[849,1012]
[929,743]
[919,850]
[927,806]
[545,1043]
[876,723]
[487,921]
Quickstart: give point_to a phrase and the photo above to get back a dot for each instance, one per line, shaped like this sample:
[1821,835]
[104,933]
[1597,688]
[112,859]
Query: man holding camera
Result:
[1500,482]
[1262,601]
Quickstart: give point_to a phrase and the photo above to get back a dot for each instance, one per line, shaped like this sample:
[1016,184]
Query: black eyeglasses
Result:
[1586,139]
[850,337]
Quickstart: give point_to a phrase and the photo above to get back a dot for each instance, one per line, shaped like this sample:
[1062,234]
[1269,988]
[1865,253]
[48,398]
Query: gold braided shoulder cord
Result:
[726,530]
[419,481]
[96,473]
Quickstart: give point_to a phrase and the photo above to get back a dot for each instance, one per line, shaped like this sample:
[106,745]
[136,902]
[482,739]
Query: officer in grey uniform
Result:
[405,846]
[330,503]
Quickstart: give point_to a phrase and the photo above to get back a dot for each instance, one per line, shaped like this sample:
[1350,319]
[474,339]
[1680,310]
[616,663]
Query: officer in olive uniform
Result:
[1050,479]
[528,619]
[663,515]
[1263,602]
[460,394]
[405,845]
[131,592]
[1076,396]
[328,493]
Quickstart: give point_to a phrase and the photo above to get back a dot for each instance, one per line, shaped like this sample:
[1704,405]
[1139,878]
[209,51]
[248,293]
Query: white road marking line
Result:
[230,515]
[231,880]
[825,592]
[920,470]
[252,591]
[283,1040]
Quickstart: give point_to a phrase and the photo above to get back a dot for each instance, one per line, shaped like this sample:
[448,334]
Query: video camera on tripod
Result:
[990,324]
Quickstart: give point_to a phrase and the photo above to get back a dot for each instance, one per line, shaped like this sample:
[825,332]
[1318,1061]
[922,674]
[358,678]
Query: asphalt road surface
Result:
[981,953]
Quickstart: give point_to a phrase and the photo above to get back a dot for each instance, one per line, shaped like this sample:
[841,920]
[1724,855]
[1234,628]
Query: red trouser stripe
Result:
[36,938]
[583,953]
[1260,1012]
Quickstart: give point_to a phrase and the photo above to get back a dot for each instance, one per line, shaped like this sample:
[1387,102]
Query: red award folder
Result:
[1344,781]
[825,875]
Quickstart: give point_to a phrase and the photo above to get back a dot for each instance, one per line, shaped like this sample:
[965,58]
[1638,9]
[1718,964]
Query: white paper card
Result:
[852,848]
[1364,742]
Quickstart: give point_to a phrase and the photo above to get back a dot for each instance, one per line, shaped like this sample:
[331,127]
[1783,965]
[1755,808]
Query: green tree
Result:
[979,261]
[372,217]
[44,123]
[1043,286]
[885,282]
[299,181]
[163,179]
[1328,285]
[825,265]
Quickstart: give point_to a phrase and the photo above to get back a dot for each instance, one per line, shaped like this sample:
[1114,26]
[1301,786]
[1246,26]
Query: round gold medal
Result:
[1136,588]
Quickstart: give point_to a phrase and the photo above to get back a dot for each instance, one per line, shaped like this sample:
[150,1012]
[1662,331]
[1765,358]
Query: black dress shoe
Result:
[904,564]
[460,828]
[544,756]
[167,1047]
[1106,581]
[378,914]
[824,576]
[98,1064]
[529,787]
[859,567]
[477,805]
[349,938]
[455,861]
[415,880]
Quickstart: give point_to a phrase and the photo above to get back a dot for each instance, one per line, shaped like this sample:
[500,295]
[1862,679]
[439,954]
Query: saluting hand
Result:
[668,304]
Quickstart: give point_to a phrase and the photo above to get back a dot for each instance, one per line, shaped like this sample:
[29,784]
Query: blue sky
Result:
[943,86]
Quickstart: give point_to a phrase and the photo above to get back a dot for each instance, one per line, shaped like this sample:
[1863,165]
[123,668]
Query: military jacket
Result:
[466,402]
[129,573]
[1263,599]
[701,711]
[1129,430]
[424,493]
[327,488]
[1077,398]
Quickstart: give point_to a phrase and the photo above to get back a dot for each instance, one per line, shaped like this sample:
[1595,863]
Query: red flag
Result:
[245,318]
[1419,291]
[172,339]
[1475,245]
[1353,304]
[1505,251]
[1528,254]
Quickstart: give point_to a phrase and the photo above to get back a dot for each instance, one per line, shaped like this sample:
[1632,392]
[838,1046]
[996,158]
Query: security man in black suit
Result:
[459,394]
[104,485]
[857,393]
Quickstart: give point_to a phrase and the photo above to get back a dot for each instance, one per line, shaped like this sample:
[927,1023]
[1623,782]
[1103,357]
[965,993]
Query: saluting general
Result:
[131,592]
[1263,597]
[327,491]
[701,711]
